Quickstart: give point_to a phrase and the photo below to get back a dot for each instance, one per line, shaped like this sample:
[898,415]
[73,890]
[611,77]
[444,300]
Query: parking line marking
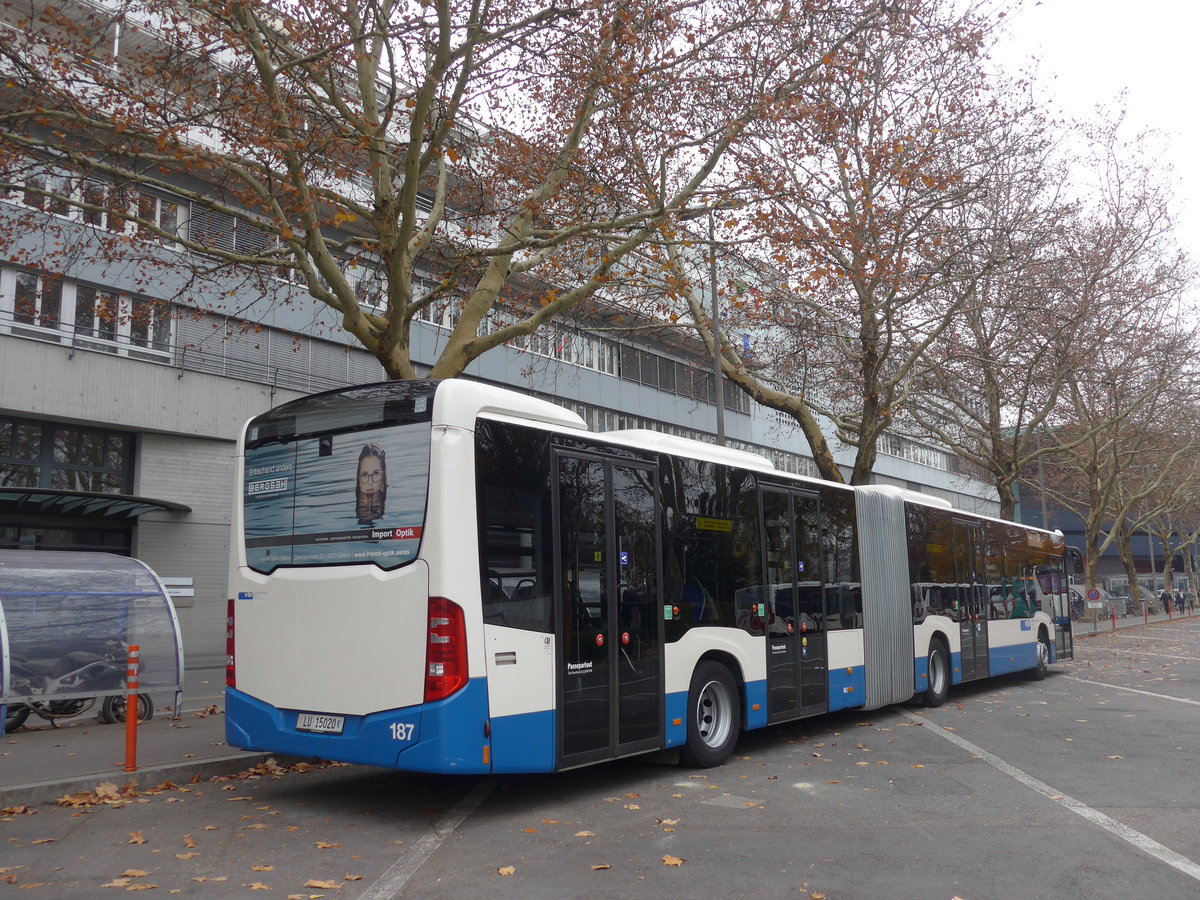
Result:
[1117,687]
[396,876]
[1142,842]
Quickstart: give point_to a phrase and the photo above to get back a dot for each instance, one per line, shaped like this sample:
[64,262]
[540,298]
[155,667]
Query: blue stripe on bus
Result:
[524,743]
[847,687]
[390,738]
[676,709]
[756,696]
[1014,658]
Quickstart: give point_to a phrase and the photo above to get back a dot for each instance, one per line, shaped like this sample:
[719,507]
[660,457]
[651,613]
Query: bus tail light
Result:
[230,672]
[445,650]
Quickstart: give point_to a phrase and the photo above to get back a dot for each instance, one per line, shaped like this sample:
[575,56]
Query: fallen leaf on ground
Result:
[262,868]
[507,870]
[324,885]
[669,860]
[599,866]
[325,845]
[136,837]
[585,834]
[134,873]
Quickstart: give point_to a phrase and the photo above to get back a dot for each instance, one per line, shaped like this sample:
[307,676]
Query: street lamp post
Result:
[718,385]
[714,306]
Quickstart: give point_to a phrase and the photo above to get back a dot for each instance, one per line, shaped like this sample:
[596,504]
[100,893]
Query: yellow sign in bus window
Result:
[706,524]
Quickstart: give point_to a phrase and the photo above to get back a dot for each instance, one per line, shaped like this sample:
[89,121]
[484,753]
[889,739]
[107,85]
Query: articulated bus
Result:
[453,577]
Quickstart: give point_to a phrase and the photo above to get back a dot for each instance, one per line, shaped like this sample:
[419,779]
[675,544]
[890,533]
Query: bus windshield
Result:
[322,487]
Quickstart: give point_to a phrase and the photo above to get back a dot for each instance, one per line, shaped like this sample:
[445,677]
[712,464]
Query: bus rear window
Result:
[334,495]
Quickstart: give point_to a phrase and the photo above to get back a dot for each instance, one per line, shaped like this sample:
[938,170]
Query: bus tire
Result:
[1038,672]
[714,716]
[937,674]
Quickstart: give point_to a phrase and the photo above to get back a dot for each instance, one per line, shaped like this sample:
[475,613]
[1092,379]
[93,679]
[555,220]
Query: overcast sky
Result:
[1091,50]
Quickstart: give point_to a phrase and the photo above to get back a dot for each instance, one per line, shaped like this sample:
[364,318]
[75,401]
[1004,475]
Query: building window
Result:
[69,457]
[96,312]
[149,323]
[37,300]
[165,212]
[83,315]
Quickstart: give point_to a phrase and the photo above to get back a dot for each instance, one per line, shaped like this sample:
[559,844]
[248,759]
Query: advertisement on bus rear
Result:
[337,499]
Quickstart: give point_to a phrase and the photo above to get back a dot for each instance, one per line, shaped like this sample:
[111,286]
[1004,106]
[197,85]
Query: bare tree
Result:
[393,158]
[860,187]
[1078,276]
[1117,445]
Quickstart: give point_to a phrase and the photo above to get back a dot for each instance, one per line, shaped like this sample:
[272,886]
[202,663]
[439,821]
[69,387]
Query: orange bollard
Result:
[131,707]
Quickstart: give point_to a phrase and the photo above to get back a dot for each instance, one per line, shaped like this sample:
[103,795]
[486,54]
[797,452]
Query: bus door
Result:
[794,597]
[971,603]
[609,611]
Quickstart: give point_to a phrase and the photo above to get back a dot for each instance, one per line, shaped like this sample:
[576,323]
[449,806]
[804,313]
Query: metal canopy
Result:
[87,504]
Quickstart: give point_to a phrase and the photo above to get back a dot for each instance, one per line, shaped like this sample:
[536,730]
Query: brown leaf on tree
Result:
[669,860]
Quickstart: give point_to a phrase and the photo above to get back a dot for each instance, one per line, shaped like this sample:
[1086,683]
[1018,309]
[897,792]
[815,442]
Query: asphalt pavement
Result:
[41,763]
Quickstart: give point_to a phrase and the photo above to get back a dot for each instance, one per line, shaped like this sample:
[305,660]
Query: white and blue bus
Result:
[453,577]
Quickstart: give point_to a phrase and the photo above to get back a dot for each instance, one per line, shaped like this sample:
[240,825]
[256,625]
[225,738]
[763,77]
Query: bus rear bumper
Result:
[452,740]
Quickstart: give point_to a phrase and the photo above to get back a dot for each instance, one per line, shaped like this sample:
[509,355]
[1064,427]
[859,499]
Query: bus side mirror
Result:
[1074,561]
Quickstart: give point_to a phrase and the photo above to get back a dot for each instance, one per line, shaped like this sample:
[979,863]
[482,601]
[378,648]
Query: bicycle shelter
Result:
[67,620]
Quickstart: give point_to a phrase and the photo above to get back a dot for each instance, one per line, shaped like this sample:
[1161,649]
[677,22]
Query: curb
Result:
[41,792]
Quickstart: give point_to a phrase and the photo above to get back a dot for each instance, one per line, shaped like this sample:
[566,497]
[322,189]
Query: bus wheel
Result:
[939,675]
[714,716]
[1038,672]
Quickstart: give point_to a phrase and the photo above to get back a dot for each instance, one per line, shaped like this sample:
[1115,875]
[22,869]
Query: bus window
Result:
[514,508]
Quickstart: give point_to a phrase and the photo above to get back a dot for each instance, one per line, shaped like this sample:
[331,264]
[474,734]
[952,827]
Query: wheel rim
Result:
[937,672]
[714,718]
[1043,654]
